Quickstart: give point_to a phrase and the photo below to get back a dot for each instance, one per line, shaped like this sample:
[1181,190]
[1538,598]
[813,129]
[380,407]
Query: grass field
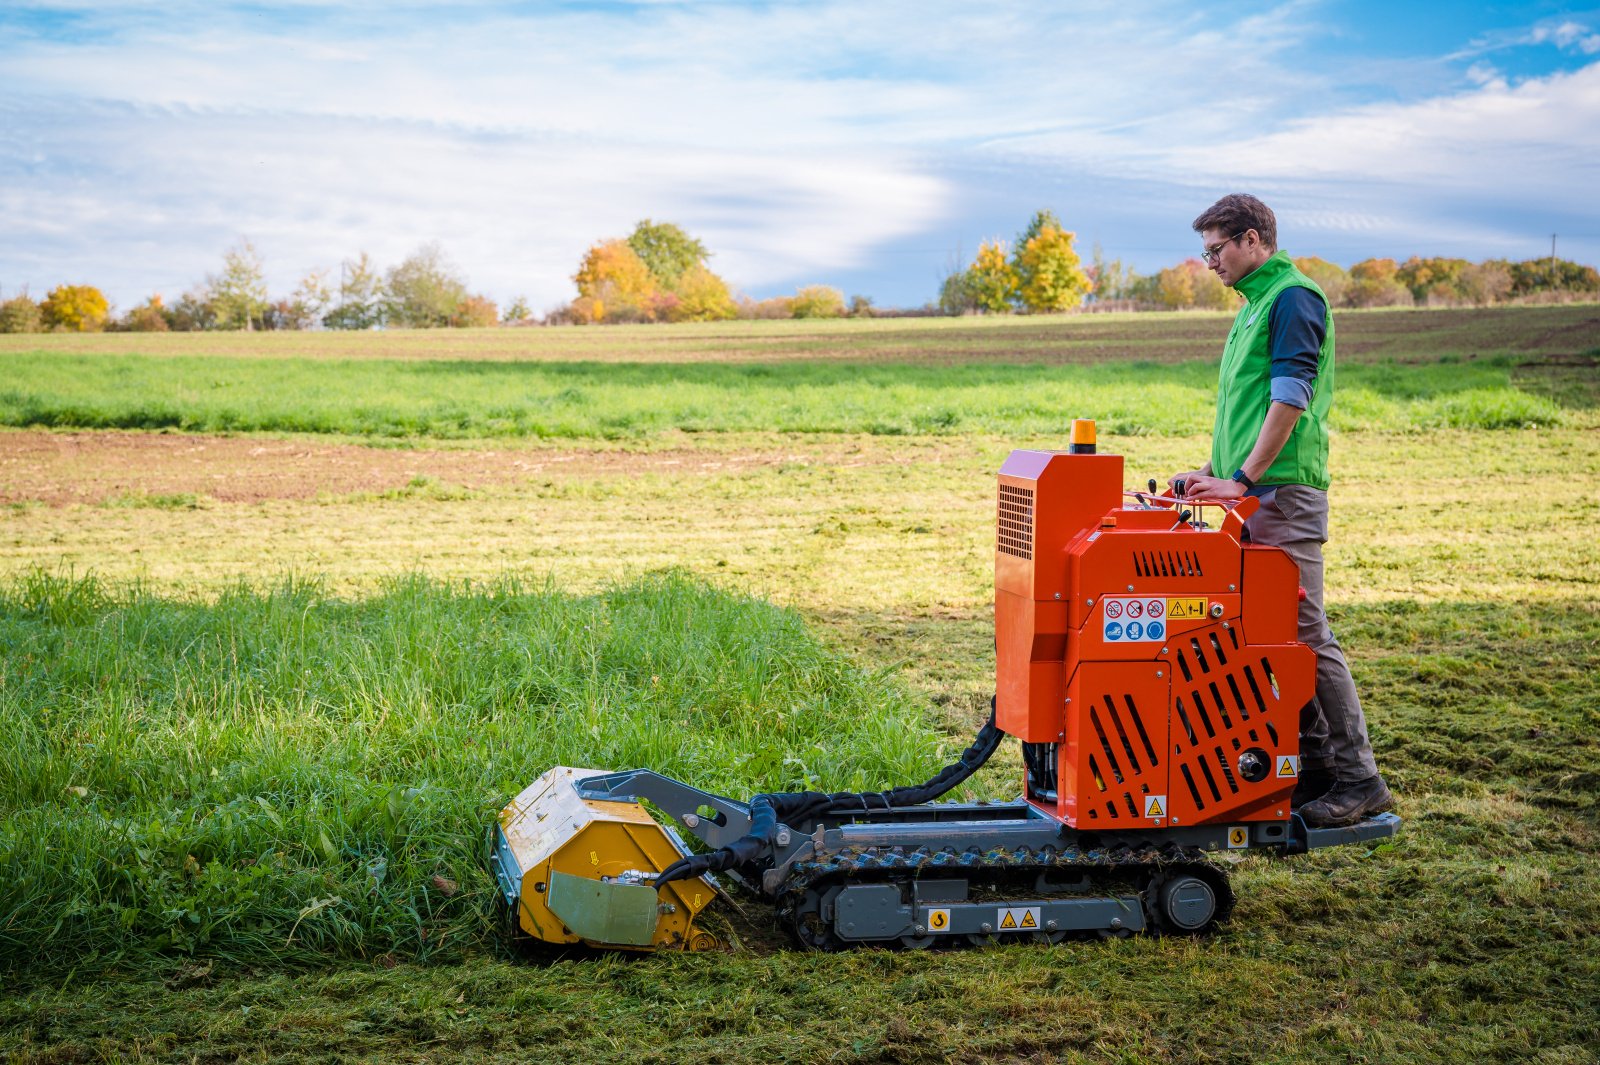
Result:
[261,692]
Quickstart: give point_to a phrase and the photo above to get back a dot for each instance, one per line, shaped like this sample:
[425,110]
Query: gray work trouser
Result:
[1333,730]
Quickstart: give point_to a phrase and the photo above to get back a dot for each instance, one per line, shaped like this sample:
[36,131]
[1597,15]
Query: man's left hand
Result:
[1212,488]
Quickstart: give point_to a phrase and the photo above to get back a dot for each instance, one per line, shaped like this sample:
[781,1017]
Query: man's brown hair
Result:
[1237,212]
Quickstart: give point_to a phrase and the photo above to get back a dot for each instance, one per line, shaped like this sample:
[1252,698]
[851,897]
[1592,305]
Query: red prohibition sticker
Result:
[1131,619]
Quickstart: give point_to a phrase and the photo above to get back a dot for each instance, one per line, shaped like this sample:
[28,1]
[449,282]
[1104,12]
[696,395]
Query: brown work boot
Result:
[1313,784]
[1346,803]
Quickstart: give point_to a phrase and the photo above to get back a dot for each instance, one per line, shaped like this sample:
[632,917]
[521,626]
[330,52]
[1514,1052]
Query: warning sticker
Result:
[1155,806]
[938,920]
[1017,919]
[1288,765]
[1186,609]
[1238,836]
[1134,620]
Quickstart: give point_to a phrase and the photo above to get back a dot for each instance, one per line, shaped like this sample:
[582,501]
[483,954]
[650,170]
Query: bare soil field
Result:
[1405,335]
[173,470]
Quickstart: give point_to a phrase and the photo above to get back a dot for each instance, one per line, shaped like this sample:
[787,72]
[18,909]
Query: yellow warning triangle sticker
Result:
[1285,767]
[1028,921]
[1154,809]
[1010,921]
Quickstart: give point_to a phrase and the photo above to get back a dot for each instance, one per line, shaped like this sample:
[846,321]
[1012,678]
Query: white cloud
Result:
[796,140]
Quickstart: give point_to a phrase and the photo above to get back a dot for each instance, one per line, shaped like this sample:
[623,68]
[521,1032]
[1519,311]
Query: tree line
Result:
[660,273]
[423,291]
[1041,273]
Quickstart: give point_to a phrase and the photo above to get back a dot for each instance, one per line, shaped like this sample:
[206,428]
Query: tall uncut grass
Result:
[473,399]
[281,775]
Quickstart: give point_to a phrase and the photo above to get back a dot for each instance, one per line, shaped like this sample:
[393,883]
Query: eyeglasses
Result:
[1213,253]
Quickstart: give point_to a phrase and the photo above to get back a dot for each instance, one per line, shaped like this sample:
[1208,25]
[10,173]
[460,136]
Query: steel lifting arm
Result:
[727,822]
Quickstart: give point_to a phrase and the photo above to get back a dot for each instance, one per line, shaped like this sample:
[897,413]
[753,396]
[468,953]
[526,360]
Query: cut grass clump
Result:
[280,775]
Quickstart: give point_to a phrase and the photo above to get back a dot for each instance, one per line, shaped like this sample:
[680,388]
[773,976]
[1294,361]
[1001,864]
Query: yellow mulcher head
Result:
[581,870]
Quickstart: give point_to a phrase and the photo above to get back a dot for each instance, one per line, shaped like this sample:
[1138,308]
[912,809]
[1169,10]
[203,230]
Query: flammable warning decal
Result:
[938,920]
[1018,919]
[1155,806]
[1238,836]
[1288,766]
[1186,609]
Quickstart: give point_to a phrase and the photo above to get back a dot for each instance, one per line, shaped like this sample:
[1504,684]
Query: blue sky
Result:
[865,145]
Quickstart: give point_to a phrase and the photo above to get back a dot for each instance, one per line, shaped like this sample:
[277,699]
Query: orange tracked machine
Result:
[1147,660]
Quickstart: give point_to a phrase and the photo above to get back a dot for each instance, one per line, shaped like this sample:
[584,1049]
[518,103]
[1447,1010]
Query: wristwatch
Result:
[1238,475]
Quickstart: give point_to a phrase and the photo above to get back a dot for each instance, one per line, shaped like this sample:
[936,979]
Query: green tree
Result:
[991,279]
[956,296]
[360,296]
[423,291]
[239,293]
[20,314]
[818,301]
[666,251]
[75,308]
[310,299]
[1049,272]
[193,311]
[1112,280]
[518,311]
[1552,275]
[1041,221]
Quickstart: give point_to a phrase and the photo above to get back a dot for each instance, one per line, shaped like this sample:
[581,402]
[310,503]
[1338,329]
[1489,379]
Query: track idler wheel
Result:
[1188,900]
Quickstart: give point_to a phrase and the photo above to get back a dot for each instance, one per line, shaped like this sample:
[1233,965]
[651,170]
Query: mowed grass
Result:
[485,399]
[1464,583]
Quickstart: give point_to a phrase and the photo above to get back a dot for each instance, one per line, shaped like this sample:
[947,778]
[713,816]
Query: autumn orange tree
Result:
[75,308]
[658,274]
[613,282]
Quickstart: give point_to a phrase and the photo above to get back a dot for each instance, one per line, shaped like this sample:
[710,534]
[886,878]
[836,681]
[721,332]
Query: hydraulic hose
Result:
[768,811]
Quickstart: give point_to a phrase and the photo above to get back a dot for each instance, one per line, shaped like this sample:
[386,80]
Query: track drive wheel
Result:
[1189,900]
[810,928]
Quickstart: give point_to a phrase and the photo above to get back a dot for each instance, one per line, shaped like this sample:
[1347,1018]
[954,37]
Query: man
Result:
[1271,441]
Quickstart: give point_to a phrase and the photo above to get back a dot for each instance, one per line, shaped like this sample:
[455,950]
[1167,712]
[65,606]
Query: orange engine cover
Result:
[1150,668]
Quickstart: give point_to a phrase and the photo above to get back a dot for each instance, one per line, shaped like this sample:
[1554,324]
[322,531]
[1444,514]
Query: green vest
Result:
[1244,386]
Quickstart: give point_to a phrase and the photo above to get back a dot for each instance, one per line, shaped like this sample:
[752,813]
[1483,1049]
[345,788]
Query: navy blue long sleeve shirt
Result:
[1296,327]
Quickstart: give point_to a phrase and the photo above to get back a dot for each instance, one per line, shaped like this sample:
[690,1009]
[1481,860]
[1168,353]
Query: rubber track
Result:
[809,880]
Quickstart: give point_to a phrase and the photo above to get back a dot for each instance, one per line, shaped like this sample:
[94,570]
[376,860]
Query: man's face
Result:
[1237,254]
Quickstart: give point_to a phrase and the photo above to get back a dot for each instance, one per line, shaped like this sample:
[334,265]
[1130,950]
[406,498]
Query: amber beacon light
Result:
[1082,436]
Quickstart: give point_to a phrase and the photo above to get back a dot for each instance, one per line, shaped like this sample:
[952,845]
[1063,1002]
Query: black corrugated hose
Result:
[769,811]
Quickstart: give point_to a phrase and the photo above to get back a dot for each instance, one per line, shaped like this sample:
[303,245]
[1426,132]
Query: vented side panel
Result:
[1015,521]
[1229,697]
[1115,760]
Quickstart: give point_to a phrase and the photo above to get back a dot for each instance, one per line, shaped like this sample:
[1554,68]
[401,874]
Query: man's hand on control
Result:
[1204,486]
[1188,478]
